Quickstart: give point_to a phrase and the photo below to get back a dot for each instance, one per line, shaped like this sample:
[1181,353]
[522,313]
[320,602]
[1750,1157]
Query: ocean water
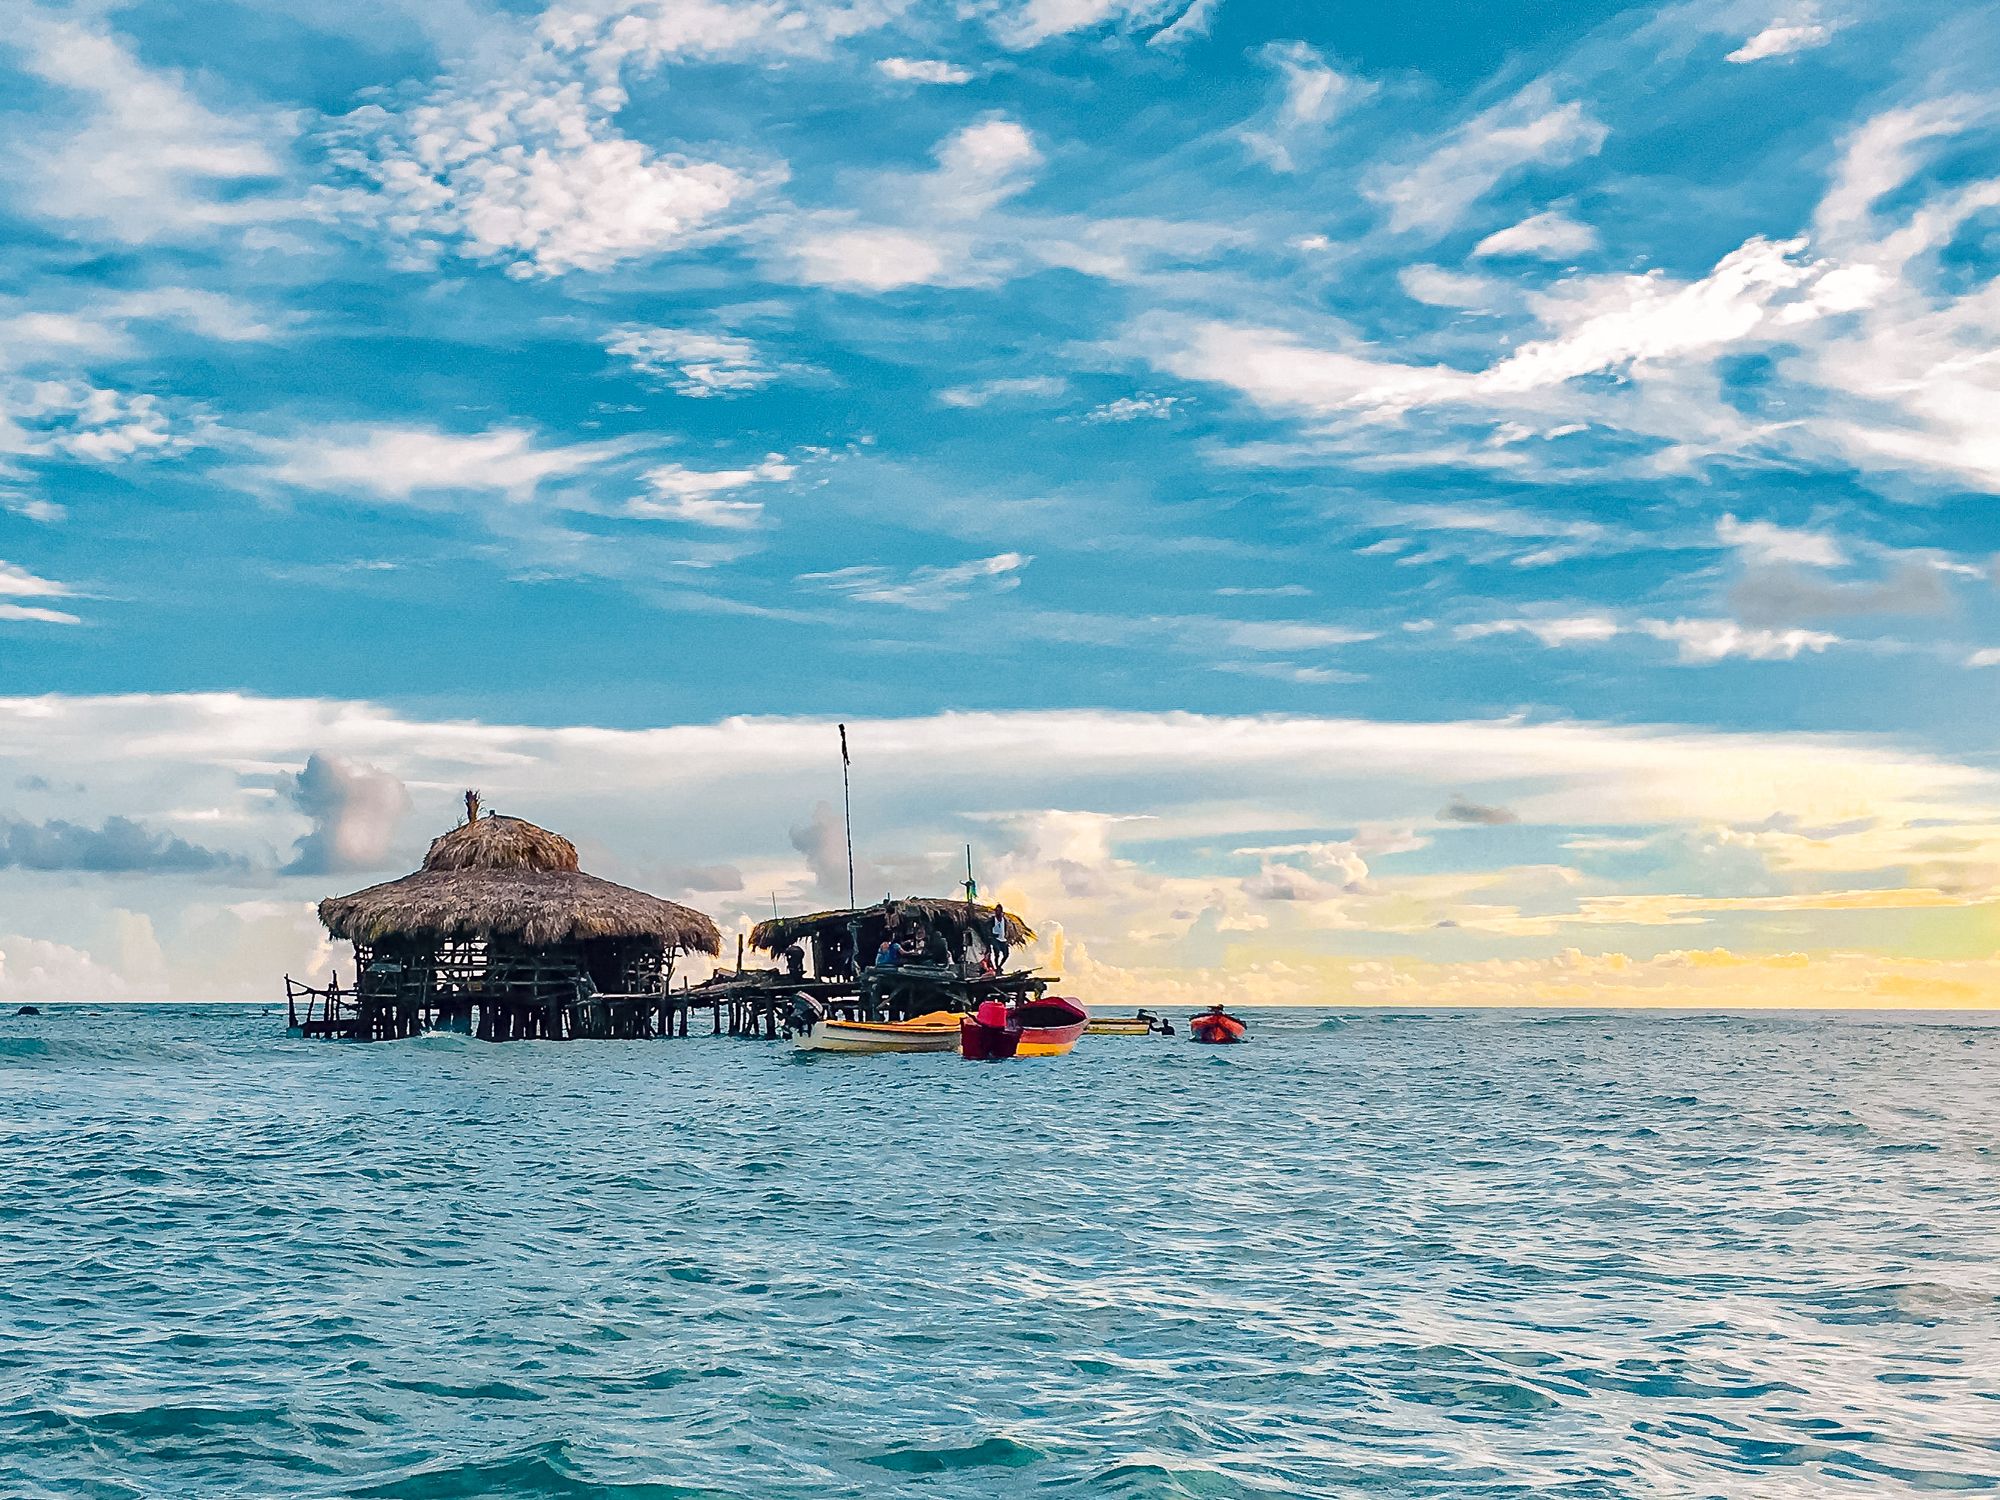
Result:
[1464,1254]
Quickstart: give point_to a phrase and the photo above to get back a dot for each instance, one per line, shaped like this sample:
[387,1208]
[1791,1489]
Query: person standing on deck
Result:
[997,944]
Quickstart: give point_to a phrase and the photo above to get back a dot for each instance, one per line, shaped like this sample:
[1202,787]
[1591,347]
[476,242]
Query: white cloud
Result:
[1782,38]
[696,495]
[692,363]
[1546,236]
[1986,656]
[1021,24]
[930,588]
[1763,542]
[1005,388]
[1311,94]
[533,176]
[1553,631]
[1134,408]
[1435,286]
[1529,129]
[931,228]
[1703,641]
[1698,642]
[1290,635]
[94,424]
[147,161]
[401,462]
[18,583]
[923,70]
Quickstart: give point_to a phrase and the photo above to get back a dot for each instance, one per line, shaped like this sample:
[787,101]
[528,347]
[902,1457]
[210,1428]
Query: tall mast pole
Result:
[847,806]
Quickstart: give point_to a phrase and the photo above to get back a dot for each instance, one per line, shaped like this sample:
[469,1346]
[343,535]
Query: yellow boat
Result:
[935,1032]
[1119,1026]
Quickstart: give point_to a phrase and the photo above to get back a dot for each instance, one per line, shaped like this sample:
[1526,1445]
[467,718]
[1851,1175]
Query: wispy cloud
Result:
[404,462]
[1309,95]
[1783,38]
[1532,128]
[929,588]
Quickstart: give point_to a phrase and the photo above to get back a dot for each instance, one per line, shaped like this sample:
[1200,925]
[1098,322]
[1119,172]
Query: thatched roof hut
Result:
[497,879]
[958,920]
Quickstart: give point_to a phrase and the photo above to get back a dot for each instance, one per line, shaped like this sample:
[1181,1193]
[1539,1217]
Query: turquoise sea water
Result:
[1368,1254]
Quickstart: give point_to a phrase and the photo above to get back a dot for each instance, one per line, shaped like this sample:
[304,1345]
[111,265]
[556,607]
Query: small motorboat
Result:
[1217,1025]
[989,1034]
[1145,1023]
[1050,1026]
[814,1031]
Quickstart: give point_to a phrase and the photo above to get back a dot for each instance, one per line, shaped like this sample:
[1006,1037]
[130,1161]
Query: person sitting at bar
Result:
[913,946]
[888,956]
[937,950]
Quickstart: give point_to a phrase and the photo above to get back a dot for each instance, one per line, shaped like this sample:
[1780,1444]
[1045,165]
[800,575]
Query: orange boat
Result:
[1217,1025]
[1050,1026]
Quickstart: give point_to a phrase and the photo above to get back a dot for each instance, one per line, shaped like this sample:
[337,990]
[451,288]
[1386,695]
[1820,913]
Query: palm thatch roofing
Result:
[497,878]
[957,919]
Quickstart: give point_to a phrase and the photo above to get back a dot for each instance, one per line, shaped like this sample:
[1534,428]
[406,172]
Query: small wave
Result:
[989,1453]
[543,1472]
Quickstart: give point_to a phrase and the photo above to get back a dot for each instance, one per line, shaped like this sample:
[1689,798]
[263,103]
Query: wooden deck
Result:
[748,1003]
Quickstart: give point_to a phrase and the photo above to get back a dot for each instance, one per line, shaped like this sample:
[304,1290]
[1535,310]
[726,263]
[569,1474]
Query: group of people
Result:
[922,943]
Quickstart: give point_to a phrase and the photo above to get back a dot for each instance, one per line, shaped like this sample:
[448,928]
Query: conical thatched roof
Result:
[955,917]
[502,878]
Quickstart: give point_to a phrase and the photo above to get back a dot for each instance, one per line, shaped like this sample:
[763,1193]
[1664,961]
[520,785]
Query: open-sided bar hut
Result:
[502,935]
[839,944]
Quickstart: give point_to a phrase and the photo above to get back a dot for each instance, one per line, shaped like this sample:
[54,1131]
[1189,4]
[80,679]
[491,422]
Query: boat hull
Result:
[878,1036]
[1120,1026]
[1050,1026]
[1217,1030]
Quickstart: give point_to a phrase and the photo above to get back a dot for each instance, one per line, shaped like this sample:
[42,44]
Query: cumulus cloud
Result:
[117,845]
[355,811]
[692,363]
[1532,128]
[1134,408]
[1544,236]
[1310,94]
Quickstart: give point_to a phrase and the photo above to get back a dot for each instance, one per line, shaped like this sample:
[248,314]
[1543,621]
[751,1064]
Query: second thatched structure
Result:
[501,934]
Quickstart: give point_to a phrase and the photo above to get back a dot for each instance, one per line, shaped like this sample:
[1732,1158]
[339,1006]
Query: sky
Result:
[1334,503]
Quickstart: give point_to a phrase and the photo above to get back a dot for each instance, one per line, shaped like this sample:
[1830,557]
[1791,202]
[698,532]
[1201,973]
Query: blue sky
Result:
[1409,487]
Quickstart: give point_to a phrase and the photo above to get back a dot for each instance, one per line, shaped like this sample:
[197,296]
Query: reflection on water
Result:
[1371,1253]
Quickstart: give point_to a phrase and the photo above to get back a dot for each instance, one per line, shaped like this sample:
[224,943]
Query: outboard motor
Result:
[806,1012]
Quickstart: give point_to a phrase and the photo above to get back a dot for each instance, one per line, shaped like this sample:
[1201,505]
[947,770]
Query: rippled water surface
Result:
[1387,1254]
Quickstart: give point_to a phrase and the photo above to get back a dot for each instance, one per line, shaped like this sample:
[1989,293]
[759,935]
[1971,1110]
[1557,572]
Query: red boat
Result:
[1217,1025]
[989,1034]
[1050,1026]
